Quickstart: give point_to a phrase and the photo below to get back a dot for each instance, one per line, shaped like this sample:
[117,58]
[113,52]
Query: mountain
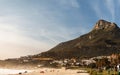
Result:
[103,39]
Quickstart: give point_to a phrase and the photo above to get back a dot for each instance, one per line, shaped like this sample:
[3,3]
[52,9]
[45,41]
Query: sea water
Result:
[12,71]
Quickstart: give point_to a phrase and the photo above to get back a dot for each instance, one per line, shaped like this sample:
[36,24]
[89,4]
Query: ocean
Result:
[12,71]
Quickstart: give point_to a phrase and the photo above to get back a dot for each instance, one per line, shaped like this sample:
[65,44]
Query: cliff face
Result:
[104,39]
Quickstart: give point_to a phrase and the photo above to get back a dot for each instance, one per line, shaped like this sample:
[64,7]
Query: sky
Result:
[29,27]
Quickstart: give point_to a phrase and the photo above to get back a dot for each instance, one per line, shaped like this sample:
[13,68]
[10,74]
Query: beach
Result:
[53,71]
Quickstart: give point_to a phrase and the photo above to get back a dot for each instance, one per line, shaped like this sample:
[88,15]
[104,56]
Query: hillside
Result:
[103,39]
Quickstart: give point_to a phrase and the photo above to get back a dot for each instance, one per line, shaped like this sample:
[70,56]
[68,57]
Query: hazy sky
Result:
[32,26]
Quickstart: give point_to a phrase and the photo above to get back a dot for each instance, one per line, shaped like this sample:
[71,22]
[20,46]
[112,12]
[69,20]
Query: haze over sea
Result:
[12,71]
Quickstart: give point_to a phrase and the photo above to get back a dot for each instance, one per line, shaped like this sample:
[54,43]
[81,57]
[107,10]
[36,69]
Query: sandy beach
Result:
[48,71]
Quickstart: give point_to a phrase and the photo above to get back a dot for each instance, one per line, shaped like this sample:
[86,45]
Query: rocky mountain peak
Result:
[105,25]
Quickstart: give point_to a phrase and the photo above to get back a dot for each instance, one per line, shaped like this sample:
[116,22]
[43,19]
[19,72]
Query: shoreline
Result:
[53,71]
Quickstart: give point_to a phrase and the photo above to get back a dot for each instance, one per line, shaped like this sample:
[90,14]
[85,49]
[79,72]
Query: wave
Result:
[12,71]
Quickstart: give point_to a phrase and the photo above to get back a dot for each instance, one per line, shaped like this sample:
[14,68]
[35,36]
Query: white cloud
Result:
[74,3]
[13,43]
[101,10]
[98,11]
[69,3]
[96,7]
[119,1]
[18,30]
[111,7]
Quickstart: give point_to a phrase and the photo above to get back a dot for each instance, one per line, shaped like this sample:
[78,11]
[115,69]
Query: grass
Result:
[96,72]
[104,72]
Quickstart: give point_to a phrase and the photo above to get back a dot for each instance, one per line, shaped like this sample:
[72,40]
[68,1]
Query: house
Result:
[88,61]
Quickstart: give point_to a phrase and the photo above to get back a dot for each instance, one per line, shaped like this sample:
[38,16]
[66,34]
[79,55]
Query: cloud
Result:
[97,9]
[24,32]
[49,22]
[13,44]
[33,27]
[111,7]
[74,3]
[119,1]
[69,3]
[102,7]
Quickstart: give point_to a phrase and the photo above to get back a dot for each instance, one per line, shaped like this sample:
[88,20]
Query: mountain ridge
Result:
[103,39]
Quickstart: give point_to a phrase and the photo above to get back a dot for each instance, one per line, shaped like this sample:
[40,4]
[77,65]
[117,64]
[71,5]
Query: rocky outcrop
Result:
[105,25]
